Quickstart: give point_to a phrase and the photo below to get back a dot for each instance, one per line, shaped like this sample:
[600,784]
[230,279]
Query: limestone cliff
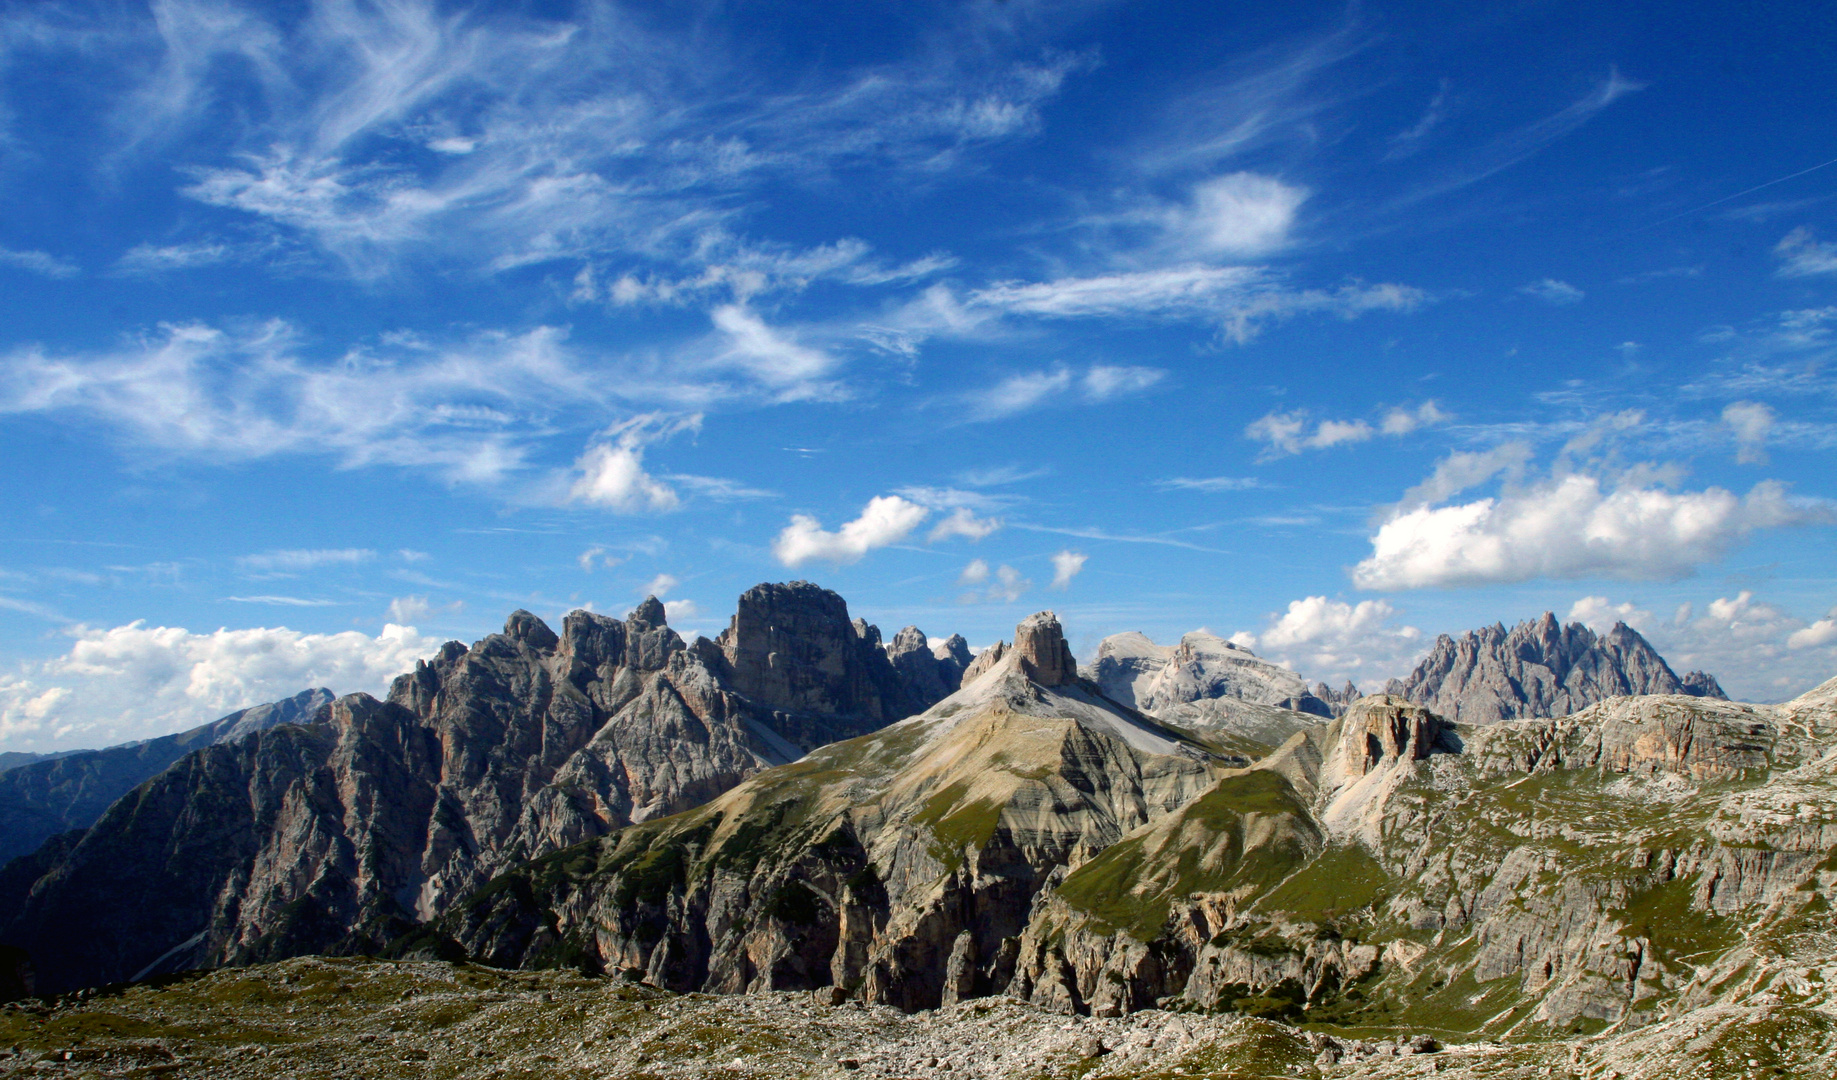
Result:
[339,835]
[901,866]
[1141,674]
[1541,668]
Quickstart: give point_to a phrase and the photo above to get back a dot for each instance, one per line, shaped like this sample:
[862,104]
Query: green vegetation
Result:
[956,825]
[1119,887]
[1340,880]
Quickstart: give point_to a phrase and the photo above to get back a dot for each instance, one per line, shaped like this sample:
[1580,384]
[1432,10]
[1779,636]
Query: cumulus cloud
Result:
[1749,422]
[138,682]
[1574,525]
[1286,433]
[1334,640]
[962,522]
[1239,214]
[975,573]
[887,519]
[611,473]
[1463,470]
[1553,291]
[659,586]
[680,609]
[1802,256]
[1066,566]
[1822,632]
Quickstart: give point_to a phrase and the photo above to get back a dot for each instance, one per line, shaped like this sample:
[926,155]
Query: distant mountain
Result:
[1134,670]
[1541,668]
[42,798]
[336,836]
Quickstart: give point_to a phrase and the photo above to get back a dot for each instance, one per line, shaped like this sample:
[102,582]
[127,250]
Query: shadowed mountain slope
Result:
[338,835]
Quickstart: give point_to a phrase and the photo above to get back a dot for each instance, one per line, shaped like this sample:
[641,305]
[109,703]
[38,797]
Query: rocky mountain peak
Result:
[1704,685]
[527,628]
[1538,668]
[1044,655]
[648,614]
[1134,670]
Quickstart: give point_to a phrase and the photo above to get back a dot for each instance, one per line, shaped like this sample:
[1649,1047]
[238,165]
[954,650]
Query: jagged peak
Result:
[1044,656]
[524,626]
[649,614]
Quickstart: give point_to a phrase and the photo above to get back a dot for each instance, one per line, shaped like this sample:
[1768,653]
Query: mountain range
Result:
[1540,833]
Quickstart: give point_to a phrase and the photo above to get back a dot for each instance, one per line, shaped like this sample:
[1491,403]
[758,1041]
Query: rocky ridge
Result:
[1541,668]
[69,791]
[1135,671]
[1390,869]
[340,835]
[900,866]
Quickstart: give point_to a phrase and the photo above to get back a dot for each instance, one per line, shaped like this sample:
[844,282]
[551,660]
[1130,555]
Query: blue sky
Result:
[331,330]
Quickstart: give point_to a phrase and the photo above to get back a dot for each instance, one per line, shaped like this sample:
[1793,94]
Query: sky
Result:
[334,329]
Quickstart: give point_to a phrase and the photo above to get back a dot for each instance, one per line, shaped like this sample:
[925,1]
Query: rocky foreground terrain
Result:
[318,1019]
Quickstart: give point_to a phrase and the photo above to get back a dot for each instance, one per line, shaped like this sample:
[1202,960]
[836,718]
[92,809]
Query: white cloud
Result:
[1463,470]
[1572,525]
[1822,632]
[1802,256]
[887,519]
[1098,384]
[408,610]
[1599,614]
[1103,382]
[680,609]
[1018,393]
[146,260]
[1238,298]
[1209,483]
[1749,421]
[791,371]
[1757,650]
[612,473]
[1239,214]
[1287,433]
[659,586]
[409,555]
[597,556]
[962,522]
[1066,566]
[137,682]
[1332,640]
[298,560]
[1008,584]
[281,601]
[1553,291]
[39,262]
[467,411]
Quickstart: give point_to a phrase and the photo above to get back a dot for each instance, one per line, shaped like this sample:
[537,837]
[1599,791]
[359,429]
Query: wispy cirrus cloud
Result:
[39,262]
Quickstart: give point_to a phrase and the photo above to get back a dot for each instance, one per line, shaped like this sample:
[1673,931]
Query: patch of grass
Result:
[1340,880]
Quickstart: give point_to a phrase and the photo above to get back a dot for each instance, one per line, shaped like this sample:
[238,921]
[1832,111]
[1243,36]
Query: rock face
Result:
[1141,674]
[1540,668]
[901,866]
[340,835]
[1391,867]
[70,791]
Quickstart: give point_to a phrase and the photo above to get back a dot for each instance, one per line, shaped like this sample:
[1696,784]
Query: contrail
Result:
[1737,195]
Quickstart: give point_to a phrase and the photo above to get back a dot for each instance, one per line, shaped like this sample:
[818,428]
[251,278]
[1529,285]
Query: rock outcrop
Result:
[70,791]
[338,836]
[1143,675]
[901,866]
[1540,668]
